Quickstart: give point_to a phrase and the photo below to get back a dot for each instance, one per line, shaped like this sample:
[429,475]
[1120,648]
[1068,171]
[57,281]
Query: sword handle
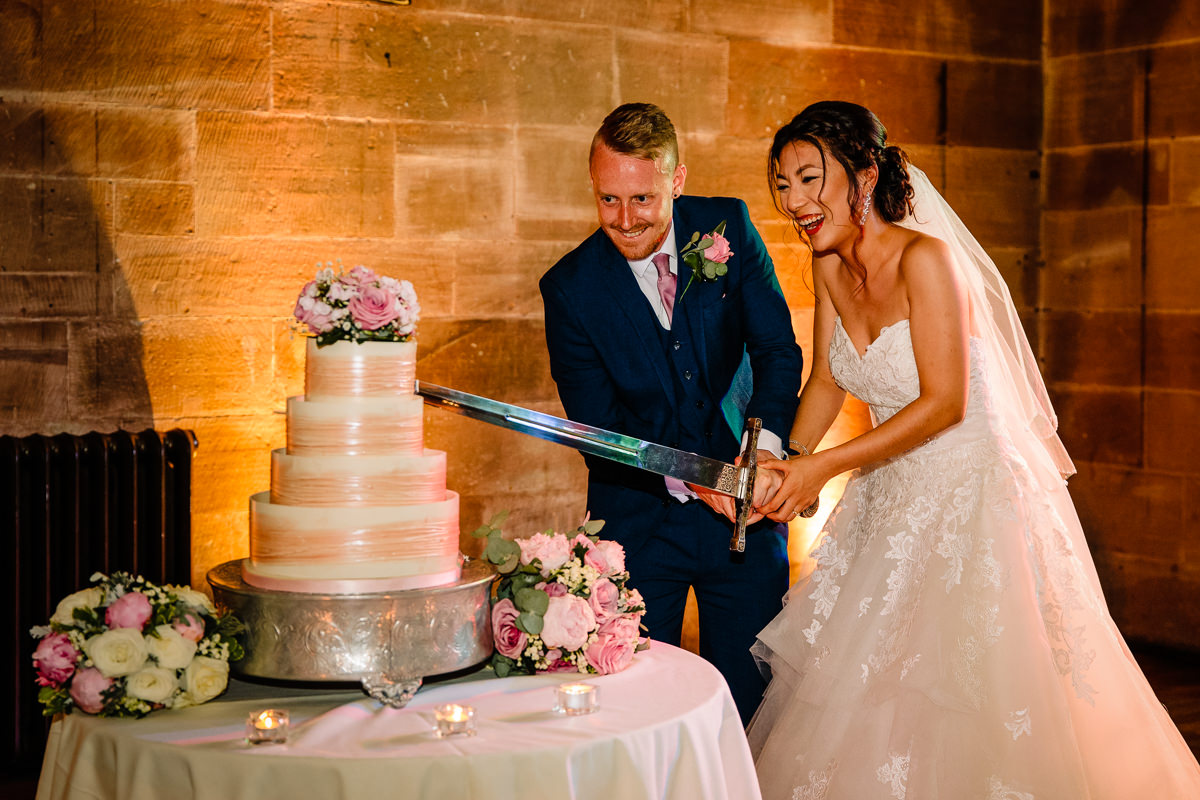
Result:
[745,498]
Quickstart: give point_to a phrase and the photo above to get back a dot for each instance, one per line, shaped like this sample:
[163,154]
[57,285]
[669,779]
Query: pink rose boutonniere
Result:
[707,255]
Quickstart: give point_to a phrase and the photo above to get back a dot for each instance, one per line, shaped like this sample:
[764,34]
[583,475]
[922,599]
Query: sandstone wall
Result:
[170,175]
[1121,295]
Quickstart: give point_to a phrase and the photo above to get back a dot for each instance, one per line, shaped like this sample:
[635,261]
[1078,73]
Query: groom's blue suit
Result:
[616,367]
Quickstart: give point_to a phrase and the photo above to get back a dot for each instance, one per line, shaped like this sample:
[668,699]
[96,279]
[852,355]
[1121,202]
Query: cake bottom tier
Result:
[352,549]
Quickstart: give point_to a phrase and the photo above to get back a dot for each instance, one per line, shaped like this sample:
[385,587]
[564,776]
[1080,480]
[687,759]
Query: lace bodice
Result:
[885,378]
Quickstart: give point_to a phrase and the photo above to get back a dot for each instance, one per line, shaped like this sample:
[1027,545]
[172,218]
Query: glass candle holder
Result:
[267,727]
[574,699]
[454,720]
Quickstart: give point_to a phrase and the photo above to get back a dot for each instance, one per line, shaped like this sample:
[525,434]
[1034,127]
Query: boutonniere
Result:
[706,255]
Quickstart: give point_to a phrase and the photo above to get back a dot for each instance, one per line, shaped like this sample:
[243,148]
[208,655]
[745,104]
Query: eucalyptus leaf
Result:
[530,623]
[498,518]
[705,243]
[695,236]
[593,526]
[535,601]
[722,269]
[501,665]
[508,565]
[481,531]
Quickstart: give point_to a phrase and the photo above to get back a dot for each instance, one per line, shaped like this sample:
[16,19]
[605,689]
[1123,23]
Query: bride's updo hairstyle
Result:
[854,137]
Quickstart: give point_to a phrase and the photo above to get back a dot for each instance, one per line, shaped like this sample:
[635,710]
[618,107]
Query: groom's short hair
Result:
[642,130]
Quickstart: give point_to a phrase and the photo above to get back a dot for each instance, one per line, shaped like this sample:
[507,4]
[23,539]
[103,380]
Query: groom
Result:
[639,346]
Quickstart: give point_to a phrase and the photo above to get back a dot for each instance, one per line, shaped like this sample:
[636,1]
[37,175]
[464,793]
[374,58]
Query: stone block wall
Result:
[170,174]
[1120,301]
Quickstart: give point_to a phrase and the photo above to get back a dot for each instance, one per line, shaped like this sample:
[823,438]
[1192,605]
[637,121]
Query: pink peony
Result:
[604,600]
[54,659]
[190,627]
[374,307]
[554,589]
[613,555]
[614,647]
[130,610]
[552,551]
[87,689]
[719,250]
[510,640]
[567,623]
[360,276]
[316,314]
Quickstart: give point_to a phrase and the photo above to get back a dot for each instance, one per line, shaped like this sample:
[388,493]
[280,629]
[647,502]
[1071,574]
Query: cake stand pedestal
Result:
[389,641]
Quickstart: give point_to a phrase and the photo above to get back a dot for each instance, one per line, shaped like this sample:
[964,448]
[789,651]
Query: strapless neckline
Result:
[883,332]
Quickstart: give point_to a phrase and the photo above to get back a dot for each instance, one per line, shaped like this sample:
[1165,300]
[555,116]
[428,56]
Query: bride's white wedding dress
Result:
[952,641]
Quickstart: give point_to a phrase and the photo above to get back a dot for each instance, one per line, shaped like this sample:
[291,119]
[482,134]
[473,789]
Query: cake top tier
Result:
[370,369]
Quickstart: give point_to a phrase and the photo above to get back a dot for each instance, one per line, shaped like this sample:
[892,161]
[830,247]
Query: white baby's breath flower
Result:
[169,648]
[152,684]
[64,614]
[117,652]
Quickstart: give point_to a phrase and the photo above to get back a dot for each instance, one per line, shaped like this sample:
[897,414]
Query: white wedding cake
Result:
[357,504]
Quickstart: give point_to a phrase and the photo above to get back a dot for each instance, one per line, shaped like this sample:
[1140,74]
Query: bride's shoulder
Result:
[925,256]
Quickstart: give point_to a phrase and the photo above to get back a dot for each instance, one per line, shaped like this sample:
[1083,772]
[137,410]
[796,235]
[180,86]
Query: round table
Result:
[666,728]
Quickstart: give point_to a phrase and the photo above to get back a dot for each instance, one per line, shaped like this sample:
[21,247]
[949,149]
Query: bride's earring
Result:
[862,220]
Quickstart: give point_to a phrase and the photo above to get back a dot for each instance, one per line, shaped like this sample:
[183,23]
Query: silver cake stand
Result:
[389,641]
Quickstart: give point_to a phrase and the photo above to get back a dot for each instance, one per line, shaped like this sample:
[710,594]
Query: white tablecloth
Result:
[666,728]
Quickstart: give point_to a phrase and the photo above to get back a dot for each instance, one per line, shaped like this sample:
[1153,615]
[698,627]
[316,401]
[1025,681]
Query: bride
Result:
[953,641]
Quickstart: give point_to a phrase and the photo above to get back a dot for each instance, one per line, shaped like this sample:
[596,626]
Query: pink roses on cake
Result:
[358,306]
[562,603]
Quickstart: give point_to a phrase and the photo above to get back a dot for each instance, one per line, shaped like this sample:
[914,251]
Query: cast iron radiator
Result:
[71,506]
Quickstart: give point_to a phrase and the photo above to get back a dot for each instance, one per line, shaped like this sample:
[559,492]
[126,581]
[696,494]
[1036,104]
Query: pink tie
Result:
[666,283]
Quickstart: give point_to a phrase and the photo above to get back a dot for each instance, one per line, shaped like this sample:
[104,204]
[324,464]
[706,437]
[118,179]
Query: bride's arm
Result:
[938,323]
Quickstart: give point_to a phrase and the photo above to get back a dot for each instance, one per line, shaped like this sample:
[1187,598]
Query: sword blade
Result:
[688,467]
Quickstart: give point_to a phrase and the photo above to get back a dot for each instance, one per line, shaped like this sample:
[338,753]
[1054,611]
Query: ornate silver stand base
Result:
[389,641]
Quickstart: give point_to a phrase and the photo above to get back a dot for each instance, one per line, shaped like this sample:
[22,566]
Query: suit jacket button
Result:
[708,434]
[699,404]
[666,503]
[687,374]
[675,344]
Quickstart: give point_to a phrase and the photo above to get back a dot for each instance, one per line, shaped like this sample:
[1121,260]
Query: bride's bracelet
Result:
[799,446]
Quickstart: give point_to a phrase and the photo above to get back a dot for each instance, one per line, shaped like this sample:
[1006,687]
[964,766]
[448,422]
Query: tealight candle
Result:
[267,727]
[454,720]
[574,699]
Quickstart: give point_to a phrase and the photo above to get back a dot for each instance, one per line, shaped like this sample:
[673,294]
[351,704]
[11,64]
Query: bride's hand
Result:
[799,489]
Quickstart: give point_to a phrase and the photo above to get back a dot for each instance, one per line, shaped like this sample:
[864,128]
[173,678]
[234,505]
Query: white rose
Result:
[169,648]
[87,598]
[204,679]
[121,651]
[152,684]
[193,598]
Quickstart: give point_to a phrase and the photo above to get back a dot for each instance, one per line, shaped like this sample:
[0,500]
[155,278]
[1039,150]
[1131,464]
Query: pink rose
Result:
[54,659]
[568,621]
[360,276]
[374,307]
[614,647]
[604,600]
[554,589]
[87,689]
[719,250]
[130,610]
[614,556]
[510,640]
[190,627]
[552,551]
[557,663]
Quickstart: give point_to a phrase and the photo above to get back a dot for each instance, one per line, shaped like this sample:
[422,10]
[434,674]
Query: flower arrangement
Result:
[358,306]
[561,604]
[125,647]
[707,255]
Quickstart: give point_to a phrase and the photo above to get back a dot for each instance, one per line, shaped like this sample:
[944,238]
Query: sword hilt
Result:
[746,474]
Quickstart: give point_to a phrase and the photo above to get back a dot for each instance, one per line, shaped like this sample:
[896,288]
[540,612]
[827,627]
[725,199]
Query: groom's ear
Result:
[678,179]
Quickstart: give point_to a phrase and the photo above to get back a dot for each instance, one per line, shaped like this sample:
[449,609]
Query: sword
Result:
[735,481]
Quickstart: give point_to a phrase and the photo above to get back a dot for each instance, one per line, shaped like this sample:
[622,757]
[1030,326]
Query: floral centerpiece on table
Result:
[561,604]
[358,306]
[125,647]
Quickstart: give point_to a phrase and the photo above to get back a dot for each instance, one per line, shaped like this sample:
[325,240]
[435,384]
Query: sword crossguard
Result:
[746,474]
